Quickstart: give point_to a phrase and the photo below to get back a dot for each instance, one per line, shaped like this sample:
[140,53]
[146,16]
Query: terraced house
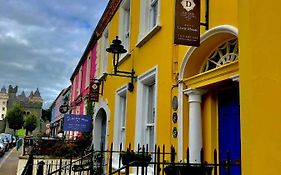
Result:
[215,89]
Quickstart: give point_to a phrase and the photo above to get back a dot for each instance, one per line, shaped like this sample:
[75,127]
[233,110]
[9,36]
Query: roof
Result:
[107,15]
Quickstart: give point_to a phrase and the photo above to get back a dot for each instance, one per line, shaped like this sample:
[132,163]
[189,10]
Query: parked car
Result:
[5,142]
[9,138]
[2,149]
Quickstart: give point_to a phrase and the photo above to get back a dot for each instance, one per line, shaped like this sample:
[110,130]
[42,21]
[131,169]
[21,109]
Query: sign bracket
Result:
[206,23]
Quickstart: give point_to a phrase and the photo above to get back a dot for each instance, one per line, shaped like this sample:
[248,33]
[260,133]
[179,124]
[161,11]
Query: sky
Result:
[42,41]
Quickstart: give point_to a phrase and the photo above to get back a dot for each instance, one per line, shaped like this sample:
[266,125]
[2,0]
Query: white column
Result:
[195,124]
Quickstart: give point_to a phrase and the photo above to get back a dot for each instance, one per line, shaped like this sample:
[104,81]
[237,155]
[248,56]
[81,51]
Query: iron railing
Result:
[160,161]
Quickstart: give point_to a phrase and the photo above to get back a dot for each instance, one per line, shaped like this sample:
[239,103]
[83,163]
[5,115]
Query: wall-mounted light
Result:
[116,48]
[64,108]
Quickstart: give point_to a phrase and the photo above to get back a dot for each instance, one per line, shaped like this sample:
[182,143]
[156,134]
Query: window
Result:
[3,109]
[88,71]
[153,10]
[124,25]
[224,54]
[79,81]
[150,119]
[78,110]
[103,66]
[149,17]
[146,109]
[120,116]
[4,103]
[3,116]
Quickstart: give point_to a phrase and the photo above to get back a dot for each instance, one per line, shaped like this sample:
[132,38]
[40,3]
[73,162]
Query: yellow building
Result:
[192,97]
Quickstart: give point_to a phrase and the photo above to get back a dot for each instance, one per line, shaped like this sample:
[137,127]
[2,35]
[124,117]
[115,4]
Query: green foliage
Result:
[60,148]
[89,111]
[21,132]
[46,114]
[90,108]
[30,122]
[15,117]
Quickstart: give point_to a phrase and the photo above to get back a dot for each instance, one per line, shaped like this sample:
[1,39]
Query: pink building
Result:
[80,80]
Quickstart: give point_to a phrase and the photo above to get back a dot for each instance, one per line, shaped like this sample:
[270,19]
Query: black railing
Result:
[160,162]
[141,161]
[28,166]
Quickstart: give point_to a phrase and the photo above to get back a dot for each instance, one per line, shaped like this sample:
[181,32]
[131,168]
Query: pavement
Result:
[9,162]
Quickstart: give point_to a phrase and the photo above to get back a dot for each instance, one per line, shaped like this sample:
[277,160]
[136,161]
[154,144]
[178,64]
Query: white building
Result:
[3,103]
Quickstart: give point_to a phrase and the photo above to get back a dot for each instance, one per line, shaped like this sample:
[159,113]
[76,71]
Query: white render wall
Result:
[3,105]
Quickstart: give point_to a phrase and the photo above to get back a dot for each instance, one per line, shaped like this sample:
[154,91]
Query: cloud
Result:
[42,41]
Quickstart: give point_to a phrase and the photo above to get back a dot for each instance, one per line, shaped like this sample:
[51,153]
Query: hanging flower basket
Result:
[187,170]
[135,159]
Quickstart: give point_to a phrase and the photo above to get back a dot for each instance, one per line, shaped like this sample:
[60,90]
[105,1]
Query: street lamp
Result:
[64,108]
[116,48]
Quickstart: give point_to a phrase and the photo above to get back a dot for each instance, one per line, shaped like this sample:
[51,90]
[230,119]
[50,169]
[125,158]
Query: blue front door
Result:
[229,129]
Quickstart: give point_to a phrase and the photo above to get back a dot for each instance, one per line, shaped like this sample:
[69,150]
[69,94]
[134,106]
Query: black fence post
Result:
[228,162]
[119,158]
[70,166]
[163,159]
[215,162]
[187,157]
[110,158]
[60,166]
[29,165]
[40,168]
[102,159]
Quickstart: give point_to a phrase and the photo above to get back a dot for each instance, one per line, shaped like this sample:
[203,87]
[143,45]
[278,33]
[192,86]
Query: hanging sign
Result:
[73,122]
[187,22]
[94,90]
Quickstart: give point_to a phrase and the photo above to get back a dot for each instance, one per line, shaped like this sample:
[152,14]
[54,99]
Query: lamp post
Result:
[116,48]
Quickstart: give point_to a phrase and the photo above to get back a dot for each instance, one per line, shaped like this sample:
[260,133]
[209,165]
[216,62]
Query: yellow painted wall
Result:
[161,51]
[259,33]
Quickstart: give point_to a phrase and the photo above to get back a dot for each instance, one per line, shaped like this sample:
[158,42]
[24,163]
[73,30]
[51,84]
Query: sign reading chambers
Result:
[187,22]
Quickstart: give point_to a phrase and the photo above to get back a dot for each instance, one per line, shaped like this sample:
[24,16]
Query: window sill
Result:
[149,35]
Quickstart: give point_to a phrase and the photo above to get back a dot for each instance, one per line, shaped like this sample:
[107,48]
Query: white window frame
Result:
[144,81]
[125,26]
[147,29]
[120,115]
[79,79]
[88,70]
[121,94]
[104,54]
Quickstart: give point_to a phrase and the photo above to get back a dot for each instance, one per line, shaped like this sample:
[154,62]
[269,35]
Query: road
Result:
[9,162]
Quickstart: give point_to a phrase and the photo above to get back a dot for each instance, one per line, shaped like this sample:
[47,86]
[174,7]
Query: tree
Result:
[30,123]
[46,114]
[15,117]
